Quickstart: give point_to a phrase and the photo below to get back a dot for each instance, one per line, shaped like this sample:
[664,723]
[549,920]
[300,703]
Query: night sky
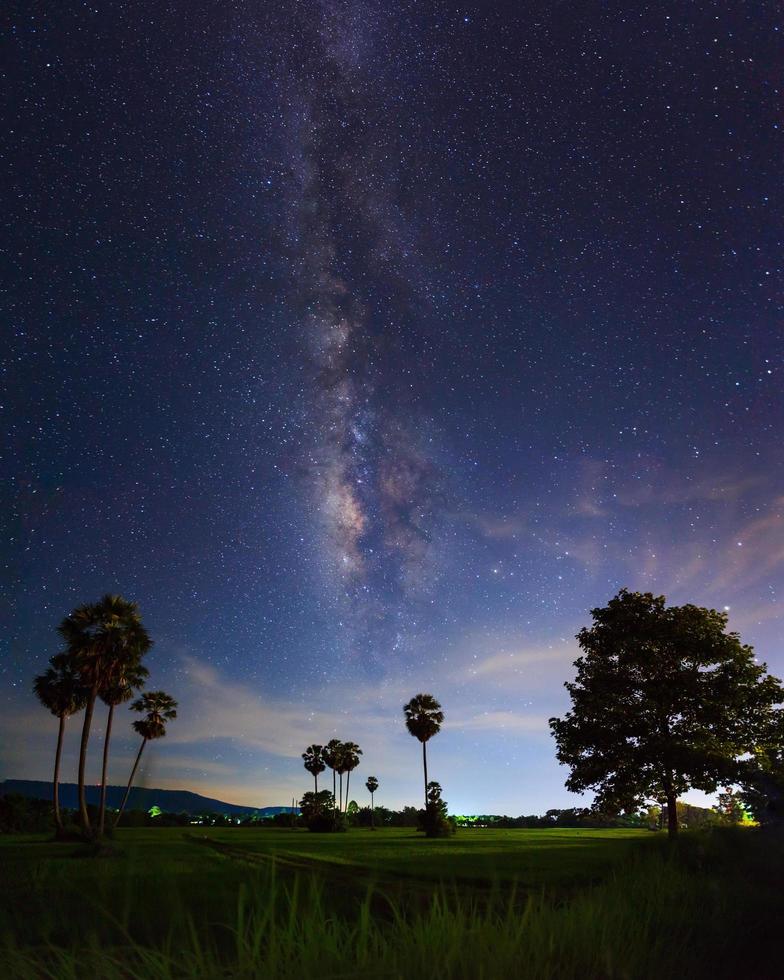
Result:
[368,345]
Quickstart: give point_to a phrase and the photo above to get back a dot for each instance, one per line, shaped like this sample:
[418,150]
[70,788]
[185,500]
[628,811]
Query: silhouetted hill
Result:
[141,798]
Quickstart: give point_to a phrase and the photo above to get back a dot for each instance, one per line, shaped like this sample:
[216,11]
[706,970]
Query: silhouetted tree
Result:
[98,636]
[435,821]
[340,768]
[158,708]
[60,689]
[350,760]
[318,812]
[424,718]
[371,785]
[314,762]
[128,676]
[664,700]
[331,757]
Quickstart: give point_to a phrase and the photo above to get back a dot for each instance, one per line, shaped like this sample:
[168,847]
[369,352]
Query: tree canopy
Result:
[762,778]
[424,716]
[664,700]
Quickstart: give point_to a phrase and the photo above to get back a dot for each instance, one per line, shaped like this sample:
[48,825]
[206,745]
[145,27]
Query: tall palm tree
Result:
[351,754]
[60,690]
[424,718]
[158,708]
[129,677]
[331,756]
[314,763]
[340,766]
[372,785]
[99,635]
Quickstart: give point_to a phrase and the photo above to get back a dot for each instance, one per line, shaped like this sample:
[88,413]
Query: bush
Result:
[328,823]
[25,815]
[434,820]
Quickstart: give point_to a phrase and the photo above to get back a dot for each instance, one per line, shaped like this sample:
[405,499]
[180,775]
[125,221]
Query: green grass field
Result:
[280,903]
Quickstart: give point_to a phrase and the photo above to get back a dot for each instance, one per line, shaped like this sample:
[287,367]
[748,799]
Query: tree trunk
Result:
[672,815]
[130,781]
[372,813]
[102,805]
[340,807]
[334,793]
[348,779]
[58,820]
[315,777]
[84,817]
[424,763]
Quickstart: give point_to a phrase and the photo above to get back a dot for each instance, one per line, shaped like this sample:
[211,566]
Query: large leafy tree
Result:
[158,708]
[60,689]
[100,636]
[424,718]
[350,760]
[313,762]
[665,699]
[128,676]
[371,786]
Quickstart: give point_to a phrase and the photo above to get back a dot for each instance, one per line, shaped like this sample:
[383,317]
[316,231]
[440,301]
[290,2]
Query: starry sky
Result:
[368,346]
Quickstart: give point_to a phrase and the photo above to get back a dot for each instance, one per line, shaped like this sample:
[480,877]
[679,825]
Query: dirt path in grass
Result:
[356,880]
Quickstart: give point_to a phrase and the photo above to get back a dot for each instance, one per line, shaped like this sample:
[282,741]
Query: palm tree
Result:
[60,690]
[313,760]
[340,766]
[424,718]
[99,635]
[371,786]
[351,754]
[130,676]
[159,708]
[331,756]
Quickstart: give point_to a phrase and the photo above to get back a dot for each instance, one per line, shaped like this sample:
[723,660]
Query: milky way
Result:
[372,479]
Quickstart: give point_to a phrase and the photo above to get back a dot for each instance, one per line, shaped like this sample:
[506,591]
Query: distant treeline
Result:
[693,817]
[23,814]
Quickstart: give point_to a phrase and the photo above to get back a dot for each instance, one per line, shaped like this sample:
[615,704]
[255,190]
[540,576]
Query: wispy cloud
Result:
[500,721]
[505,665]
[495,527]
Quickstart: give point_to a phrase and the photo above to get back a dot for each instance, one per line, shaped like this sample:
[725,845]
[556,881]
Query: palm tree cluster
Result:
[424,718]
[341,757]
[105,642]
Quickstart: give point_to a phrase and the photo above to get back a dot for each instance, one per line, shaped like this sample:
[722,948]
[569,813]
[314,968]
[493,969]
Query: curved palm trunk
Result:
[84,817]
[58,820]
[130,782]
[102,805]
[424,763]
